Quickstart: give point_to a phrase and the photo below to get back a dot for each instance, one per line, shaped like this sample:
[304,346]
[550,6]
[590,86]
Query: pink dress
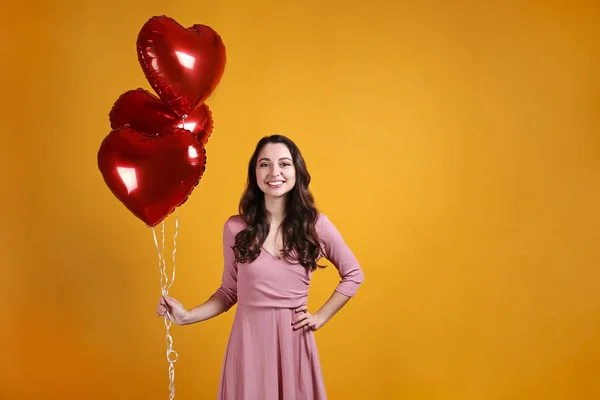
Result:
[266,359]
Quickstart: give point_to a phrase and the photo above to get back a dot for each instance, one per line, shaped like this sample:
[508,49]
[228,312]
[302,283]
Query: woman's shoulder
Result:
[235,224]
[322,218]
[323,223]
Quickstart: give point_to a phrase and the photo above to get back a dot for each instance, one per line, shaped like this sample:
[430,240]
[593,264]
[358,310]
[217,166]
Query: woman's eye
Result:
[285,164]
[264,165]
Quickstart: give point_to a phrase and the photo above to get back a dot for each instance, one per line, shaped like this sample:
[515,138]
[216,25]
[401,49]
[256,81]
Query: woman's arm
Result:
[226,295]
[351,274]
[173,309]
[334,304]
[341,256]
[221,300]
[324,314]
[207,310]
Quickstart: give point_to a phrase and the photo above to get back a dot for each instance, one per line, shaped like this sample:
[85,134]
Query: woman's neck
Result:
[275,207]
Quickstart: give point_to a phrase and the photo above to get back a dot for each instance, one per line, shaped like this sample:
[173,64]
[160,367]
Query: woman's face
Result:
[275,171]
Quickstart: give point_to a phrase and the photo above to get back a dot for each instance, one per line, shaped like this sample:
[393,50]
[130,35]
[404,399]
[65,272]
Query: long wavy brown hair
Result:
[301,243]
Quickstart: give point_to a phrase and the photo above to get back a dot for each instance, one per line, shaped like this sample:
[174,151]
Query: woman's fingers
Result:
[171,302]
[169,307]
[162,308]
[300,317]
[302,323]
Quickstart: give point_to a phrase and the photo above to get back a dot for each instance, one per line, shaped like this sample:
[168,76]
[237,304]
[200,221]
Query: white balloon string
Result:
[174,248]
[172,355]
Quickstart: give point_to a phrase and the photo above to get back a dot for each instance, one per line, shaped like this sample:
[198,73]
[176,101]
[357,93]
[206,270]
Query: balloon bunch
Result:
[154,156]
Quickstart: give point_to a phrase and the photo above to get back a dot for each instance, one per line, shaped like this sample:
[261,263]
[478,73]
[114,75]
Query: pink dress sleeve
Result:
[227,292]
[340,255]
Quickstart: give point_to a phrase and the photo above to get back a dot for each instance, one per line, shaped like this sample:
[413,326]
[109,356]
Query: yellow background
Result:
[455,144]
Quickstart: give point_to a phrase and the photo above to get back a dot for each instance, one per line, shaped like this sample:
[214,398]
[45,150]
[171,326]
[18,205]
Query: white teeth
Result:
[275,184]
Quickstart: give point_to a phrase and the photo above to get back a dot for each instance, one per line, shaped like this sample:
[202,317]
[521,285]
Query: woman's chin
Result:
[275,193]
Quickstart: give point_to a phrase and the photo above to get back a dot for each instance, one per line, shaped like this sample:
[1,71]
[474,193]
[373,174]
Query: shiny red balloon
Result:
[183,66]
[151,176]
[146,113]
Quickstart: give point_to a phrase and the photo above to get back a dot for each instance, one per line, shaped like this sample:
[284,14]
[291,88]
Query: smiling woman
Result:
[266,201]
[270,250]
[275,171]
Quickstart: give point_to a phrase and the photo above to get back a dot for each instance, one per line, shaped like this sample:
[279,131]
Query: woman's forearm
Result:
[207,310]
[331,307]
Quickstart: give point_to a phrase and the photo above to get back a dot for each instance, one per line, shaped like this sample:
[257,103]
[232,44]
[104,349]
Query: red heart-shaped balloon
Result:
[151,176]
[144,112]
[183,66]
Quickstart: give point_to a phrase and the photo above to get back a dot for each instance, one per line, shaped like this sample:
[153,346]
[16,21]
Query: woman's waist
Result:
[262,295]
[272,303]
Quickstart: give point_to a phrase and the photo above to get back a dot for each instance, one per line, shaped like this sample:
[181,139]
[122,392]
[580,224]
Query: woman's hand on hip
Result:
[304,318]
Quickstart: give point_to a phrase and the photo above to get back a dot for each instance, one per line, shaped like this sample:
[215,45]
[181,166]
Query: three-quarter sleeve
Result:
[227,292]
[337,251]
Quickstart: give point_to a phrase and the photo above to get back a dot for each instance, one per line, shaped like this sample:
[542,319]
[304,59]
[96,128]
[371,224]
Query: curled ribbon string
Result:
[165,285]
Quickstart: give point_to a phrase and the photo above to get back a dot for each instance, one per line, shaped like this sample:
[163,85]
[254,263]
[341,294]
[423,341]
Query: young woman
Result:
[270,251]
